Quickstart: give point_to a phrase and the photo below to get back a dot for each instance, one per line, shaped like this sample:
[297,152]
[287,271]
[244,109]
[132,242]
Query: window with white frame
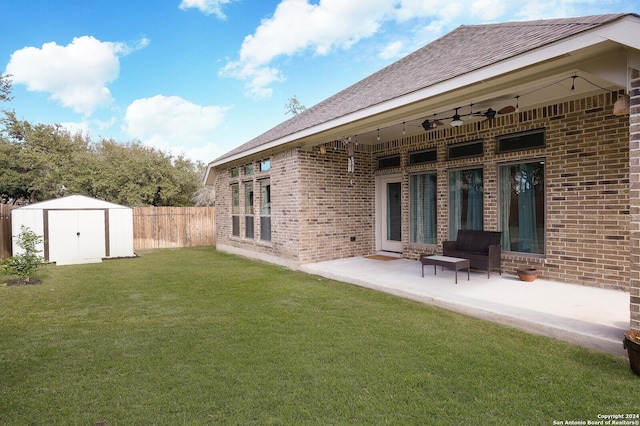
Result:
[465,200]
[522,207]
[265,210]
[248,209]
[423,212]
[235,210]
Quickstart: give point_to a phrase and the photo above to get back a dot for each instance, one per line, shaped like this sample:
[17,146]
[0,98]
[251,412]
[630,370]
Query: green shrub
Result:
[26,263]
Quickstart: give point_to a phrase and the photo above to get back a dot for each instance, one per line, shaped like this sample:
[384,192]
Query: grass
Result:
[193,336]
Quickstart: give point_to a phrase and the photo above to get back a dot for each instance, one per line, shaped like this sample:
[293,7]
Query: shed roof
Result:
[73,202]
[468,48]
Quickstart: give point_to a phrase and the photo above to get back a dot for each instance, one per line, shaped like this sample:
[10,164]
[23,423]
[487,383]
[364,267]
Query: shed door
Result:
[76,236]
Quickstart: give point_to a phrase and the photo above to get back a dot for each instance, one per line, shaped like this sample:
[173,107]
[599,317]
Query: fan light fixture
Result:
[621,107]
[457,120]
[490,114]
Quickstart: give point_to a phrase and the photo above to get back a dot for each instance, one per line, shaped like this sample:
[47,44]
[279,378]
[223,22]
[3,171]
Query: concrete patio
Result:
[587,316]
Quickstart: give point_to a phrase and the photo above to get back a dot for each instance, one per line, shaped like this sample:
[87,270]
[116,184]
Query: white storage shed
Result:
[77,229]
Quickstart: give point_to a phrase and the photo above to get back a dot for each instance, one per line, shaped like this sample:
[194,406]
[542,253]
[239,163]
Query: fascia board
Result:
[624,32]
[523,61]
[210,170]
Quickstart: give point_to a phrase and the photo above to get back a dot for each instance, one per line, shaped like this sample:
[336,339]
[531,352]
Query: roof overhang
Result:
[602,56]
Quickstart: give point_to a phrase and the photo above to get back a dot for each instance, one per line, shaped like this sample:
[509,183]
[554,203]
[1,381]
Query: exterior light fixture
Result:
[426,124]
[457,120]
[378,134]
[622,105]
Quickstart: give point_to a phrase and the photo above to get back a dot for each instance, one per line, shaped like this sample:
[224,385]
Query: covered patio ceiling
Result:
[596,70]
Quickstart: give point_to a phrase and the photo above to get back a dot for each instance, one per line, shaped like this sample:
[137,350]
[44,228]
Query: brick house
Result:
[507,127]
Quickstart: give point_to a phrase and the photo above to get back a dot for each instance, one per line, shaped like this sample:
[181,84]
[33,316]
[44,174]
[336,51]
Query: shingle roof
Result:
[465,49]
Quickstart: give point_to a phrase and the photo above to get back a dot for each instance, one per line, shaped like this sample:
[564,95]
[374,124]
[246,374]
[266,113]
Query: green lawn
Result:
[193,336]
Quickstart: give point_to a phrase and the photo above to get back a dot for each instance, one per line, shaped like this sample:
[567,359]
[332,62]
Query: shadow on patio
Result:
[592,317]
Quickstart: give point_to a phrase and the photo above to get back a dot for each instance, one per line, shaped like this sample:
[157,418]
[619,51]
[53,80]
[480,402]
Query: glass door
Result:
[389,214]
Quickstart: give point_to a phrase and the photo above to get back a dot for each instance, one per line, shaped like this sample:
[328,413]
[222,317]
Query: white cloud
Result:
[175,125]
[391,50]
[297,26]
[208,7]
[320,27]
[76,75]
[75,128]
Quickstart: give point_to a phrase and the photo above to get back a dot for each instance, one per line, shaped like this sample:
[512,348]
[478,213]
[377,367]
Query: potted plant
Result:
[526,273]
[632,344]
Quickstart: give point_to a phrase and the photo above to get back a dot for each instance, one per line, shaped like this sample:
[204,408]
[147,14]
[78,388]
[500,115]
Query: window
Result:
[520,141]
[420,157]
[235,210]
[265,210]
[234,172]
[423,201]
[248,210]
[522,214]
[465,150]
[248,169]
[465,200]
[265,165]
[389,162]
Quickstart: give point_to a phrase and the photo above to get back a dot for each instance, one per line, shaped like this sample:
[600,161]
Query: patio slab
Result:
[592,317]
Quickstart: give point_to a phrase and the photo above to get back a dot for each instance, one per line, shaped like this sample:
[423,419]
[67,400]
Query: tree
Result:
[133,174]
[46,161]
[14,180]
[26,263]
[294,106]
[5,87]
[206,195]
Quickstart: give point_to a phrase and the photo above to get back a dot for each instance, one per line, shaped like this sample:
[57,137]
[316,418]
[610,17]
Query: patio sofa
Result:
[482,248]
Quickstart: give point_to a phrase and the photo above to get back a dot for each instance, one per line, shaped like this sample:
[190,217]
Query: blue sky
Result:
[201,77]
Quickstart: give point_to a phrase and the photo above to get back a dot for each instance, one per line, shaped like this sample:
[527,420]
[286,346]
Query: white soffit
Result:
[624,31]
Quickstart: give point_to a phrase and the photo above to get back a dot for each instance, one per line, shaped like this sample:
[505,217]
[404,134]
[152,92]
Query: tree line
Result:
[43,161]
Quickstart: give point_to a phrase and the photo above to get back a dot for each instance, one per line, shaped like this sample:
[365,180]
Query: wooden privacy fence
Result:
[164,227]
[5,230]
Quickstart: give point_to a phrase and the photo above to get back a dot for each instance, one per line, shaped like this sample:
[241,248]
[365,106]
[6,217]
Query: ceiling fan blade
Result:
[506,110]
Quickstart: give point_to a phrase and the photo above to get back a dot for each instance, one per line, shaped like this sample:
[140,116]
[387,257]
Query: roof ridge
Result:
[574,20]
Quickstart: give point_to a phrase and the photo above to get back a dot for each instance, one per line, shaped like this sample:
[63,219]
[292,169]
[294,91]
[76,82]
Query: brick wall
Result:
[337,206]
[634,176]
[587,185]
[319,211]
[322,212]
[285,210]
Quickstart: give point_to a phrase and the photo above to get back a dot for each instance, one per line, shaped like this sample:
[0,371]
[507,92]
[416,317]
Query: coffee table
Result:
[455,263]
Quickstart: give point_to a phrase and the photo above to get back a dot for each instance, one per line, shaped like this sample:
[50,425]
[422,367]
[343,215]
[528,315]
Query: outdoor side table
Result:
[455,263]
